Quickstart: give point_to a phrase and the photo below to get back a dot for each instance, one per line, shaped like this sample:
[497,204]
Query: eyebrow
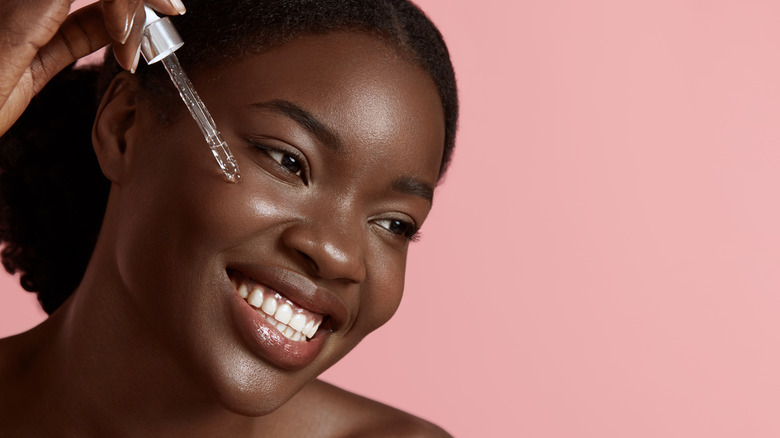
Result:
[305,119]
[414,186]
[405,185]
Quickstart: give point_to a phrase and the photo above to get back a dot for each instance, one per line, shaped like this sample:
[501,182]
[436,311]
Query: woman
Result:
[165,294]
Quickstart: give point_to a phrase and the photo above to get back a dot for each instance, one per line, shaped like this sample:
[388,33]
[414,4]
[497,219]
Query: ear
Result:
[115,126]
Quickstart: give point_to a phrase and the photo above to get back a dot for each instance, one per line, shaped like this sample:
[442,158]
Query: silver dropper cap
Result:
[160,38]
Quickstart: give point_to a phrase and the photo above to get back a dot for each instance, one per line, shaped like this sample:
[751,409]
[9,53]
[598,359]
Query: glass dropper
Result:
[160,41]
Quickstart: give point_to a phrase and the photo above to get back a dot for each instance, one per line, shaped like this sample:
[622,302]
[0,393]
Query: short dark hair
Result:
[52,193]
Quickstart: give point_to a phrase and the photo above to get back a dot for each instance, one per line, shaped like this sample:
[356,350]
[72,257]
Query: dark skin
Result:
[39,39]
[150,344]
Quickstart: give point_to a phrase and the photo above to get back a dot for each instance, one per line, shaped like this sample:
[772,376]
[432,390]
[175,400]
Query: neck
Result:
[95,369]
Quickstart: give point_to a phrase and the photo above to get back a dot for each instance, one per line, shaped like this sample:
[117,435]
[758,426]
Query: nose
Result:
[330,248]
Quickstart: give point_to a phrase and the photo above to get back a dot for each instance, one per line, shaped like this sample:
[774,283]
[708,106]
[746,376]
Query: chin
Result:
[244,384]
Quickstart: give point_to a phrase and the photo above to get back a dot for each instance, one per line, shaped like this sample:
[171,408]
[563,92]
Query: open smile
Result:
[290,319]
[283,316]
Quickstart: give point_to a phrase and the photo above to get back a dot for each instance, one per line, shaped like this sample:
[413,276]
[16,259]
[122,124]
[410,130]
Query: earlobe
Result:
[115,125]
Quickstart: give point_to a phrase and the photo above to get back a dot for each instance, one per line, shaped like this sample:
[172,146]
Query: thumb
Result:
[81,33]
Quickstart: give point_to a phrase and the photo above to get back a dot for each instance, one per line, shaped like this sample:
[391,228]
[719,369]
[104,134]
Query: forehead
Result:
[354,83]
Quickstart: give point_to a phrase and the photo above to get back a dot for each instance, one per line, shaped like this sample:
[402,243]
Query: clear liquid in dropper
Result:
[227,162]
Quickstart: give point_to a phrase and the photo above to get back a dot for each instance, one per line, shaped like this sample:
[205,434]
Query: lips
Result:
[284,317]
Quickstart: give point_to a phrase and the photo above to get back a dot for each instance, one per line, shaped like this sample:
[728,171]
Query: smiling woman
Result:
[181,304]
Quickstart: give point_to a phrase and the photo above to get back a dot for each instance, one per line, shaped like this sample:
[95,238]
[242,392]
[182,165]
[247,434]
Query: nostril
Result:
[309,261]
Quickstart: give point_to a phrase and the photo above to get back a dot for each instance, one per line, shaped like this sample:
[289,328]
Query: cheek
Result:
[161,249]
[256,209]
[381,294]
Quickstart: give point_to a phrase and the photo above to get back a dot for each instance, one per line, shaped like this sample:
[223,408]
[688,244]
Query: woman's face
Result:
[339,142]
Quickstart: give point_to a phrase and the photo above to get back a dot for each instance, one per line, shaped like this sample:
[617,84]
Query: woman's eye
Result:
[405,229]
[287,161]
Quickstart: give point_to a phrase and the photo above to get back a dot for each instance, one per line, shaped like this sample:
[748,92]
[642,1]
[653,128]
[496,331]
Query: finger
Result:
[128,54]
[82,33]
[119,18]
[26,26]
[167,7]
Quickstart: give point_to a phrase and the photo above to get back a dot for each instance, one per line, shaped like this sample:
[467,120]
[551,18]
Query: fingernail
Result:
[128,28]
[135,61]
[179,6]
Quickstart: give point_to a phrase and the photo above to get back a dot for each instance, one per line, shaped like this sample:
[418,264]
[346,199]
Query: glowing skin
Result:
[318,217]
[326,227]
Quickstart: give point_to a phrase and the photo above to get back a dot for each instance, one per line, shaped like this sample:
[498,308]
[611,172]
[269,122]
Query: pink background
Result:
[602,258]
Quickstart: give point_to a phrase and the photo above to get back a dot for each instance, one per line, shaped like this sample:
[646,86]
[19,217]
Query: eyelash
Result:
[409,233]
[272,151]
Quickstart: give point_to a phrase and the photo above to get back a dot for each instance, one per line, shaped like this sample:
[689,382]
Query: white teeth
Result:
[313,330]
[284,313]
[269,306]
[298,321]
[255,298]
[243,291]
[308,327]
[295,323]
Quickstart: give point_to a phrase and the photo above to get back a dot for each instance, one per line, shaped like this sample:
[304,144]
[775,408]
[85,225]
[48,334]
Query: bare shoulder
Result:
[345,414]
